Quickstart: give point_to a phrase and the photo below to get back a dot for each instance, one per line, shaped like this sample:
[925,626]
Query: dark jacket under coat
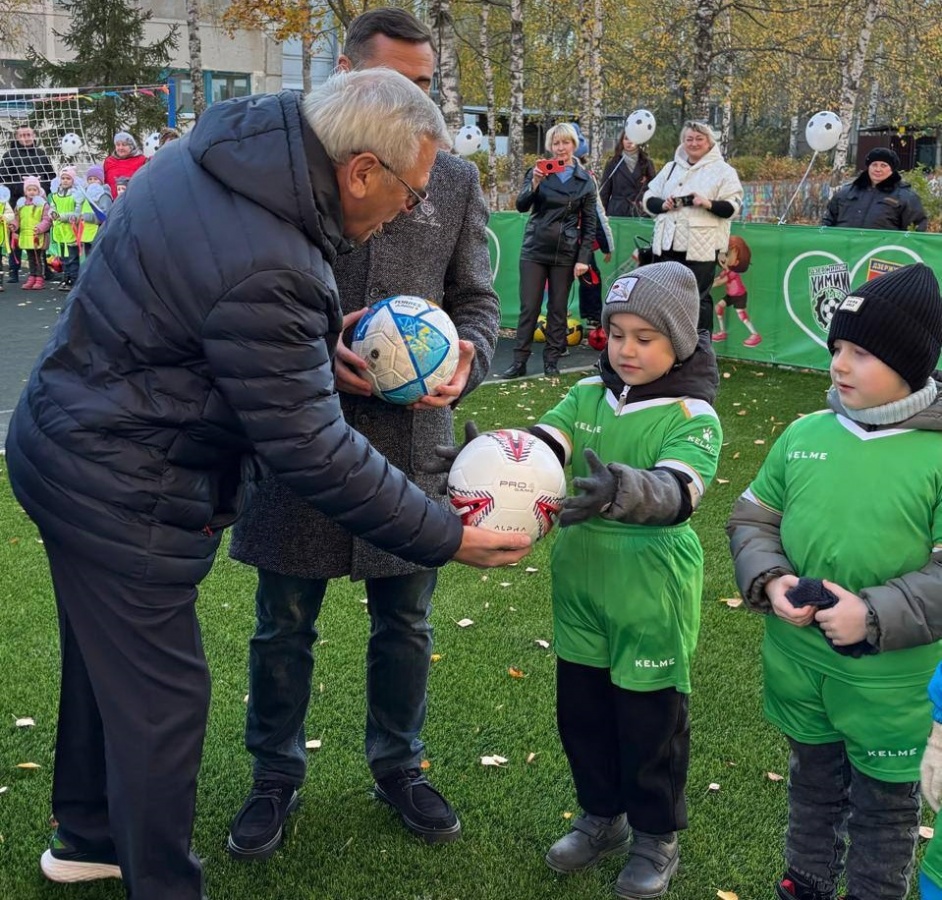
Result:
[621,190]
[561,227]
[20,161]
[891,205]
[197,347]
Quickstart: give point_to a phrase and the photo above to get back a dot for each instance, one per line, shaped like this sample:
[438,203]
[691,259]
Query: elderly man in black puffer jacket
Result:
[195,348]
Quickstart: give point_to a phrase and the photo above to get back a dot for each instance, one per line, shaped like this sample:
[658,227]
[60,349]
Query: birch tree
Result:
[491,104]
[515,129]
[196,56]
[443,27]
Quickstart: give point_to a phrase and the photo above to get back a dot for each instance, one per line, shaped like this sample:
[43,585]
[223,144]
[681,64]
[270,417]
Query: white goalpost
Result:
[56,115]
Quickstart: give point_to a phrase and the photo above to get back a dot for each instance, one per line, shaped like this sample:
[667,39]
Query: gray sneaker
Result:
[592,839]
[652,861]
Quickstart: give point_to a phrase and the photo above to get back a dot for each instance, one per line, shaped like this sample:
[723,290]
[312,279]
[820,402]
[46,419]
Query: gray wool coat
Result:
[438,252]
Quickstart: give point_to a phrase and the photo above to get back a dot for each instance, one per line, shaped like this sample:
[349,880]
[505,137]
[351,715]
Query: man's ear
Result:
[344,64]
[356,174]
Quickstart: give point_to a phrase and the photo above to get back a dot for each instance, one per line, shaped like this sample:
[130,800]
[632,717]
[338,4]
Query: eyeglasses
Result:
[415,198]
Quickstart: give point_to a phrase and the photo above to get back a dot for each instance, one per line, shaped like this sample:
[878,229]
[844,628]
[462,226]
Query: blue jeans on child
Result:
[281,665]
[833,810]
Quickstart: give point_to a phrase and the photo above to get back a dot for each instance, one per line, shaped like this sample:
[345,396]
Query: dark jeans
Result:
[628,750]
[15,260]
[70,263]
[533,278]
[281,664]
[132,716]
[37,262]
[704,272]
[590,293]
[842,820]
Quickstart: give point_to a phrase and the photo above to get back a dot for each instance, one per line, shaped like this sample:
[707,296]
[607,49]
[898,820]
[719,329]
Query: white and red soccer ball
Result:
[508,481]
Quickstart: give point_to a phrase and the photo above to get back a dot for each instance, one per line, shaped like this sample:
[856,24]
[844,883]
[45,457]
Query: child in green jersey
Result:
[627,571]
[850,500]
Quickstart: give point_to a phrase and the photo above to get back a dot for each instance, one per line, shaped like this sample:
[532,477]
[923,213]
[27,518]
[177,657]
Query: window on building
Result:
[217,86]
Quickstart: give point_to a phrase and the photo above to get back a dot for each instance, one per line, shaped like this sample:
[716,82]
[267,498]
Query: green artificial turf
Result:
[342,844]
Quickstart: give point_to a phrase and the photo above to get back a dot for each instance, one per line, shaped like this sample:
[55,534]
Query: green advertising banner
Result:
[797,277]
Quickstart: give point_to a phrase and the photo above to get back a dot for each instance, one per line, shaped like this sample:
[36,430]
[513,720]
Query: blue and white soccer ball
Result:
[410,346]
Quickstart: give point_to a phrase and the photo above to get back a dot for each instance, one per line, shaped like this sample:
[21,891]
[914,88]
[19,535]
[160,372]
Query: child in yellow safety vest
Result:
[32,224]
[96,206]
[68,225]
[7,218]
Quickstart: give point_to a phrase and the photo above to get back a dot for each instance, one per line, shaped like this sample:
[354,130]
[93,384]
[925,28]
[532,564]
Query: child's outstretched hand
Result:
[776,590]
[845,622]
[598,491]
[444,455]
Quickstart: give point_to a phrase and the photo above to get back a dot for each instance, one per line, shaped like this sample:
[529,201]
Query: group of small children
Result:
[67,216]
[838,540]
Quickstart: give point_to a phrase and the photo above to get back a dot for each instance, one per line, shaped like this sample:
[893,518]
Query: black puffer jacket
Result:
[561,227]
[196,342]
[891,205]
[622,188]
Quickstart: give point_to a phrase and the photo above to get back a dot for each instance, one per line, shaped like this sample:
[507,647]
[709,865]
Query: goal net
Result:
[61,120]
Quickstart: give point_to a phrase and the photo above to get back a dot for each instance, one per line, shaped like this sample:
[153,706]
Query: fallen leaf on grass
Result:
[436,657]
[506,584]
[736,455]
[425,765]
[743,412]
[313,744]
[531,569]
[28,766]
[713,787]
[514,672]
[727,895]
[541,643]
[493,761]
[567,815]
[3,789]
[731,602]
[722,481]
[531,757]
[25,722]
[926,832]
[726,374]
[759,441]
[464,623]
[774,776]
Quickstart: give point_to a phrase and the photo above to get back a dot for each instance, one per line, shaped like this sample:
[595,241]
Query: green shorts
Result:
[627,598]
[883,726]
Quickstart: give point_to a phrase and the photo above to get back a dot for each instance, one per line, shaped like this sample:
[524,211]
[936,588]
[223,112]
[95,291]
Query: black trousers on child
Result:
[628,750]
[132,715]
[37,260]
[841,820]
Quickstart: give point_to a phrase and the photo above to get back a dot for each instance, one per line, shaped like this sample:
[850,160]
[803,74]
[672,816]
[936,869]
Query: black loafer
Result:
[423,810]
[258,828]
[517,370]
[551,371]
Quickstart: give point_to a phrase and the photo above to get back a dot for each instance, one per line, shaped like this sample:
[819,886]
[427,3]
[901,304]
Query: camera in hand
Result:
[683,200]
[549,166]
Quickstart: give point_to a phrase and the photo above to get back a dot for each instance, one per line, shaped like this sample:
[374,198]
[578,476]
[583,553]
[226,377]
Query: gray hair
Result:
[376,110]
[562,130]
[700,128]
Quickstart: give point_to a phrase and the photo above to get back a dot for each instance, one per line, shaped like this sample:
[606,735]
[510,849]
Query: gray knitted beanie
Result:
[664,294]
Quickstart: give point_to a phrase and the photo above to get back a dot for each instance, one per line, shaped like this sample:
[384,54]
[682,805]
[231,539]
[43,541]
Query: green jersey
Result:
[858,508]
[627,597]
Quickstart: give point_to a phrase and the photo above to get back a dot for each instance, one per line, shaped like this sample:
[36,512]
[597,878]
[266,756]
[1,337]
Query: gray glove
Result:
[598,493]
[445,455]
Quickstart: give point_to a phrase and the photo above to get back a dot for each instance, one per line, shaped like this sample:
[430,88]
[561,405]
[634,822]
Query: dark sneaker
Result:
[593,838]
[66,864]
[13,278]
[790,888]
[551,370]
[517,370]
[423,810]
[652,861]
[258,828]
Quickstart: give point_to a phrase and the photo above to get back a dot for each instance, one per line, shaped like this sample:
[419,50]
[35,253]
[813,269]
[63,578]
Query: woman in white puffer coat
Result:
[693,200]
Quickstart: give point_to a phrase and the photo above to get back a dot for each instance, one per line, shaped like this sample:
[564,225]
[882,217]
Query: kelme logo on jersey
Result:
[706,440]
[654,663]
[888,754]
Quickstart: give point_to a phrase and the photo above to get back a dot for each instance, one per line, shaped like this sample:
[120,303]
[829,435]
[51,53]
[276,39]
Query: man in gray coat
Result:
[438,252]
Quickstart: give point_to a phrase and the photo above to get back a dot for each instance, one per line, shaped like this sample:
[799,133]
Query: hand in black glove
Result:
[598,492]
[445,454]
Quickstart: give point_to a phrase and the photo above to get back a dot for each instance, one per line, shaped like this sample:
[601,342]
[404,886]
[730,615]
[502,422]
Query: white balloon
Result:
[468,140]
[823,131]
[151,143]
[71,143]
[639,126]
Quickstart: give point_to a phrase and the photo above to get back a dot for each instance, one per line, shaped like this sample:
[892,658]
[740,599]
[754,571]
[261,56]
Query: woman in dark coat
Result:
[877,198]
[557,246]
[625,179]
